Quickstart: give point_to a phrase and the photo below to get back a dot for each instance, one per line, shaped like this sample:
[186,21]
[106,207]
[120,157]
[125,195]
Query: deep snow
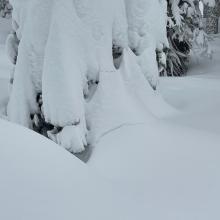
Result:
[40,180]
[197,95]
[164,169]
[171,164]
[172,171]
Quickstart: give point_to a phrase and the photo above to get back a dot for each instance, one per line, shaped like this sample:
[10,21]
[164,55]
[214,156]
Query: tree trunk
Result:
[211,16]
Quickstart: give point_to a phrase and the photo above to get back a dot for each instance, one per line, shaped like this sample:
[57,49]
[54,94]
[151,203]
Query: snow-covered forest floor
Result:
[166,168]
[171,165]
[197,94]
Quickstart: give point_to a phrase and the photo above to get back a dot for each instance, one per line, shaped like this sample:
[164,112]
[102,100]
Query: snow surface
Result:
[140,101]
[171,165]
[172,171]
[164,168]
[40,180]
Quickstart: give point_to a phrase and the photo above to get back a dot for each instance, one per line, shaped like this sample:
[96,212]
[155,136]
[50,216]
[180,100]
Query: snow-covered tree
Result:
[67,49]
[62,49]
[147,33]
[185,33]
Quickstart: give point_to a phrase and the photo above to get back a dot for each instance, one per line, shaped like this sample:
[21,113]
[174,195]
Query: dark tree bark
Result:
[211,16]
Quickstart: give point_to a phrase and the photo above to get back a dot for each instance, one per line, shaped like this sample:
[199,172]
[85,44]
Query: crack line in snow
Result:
[116,128]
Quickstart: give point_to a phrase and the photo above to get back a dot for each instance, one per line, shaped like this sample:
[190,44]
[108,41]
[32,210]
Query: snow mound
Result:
[40,180]
[124,97]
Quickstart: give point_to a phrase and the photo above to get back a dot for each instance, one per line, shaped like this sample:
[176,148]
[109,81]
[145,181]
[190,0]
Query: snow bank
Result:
[39,180]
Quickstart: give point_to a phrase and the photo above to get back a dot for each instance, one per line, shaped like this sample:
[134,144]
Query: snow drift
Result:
[132,101]
[39,180]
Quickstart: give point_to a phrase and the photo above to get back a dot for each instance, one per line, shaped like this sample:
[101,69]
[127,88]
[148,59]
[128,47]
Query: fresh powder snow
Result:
[153,142]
